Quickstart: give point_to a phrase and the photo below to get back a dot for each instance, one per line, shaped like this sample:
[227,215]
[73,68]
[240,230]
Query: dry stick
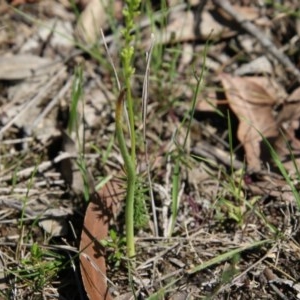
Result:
[33,101]
[52,103]
[8,191]
[50,247]
[144,115]
[17,141]
[214,154]
[262,38]
[26,173]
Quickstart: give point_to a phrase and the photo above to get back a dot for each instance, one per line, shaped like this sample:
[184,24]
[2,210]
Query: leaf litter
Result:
[236,234]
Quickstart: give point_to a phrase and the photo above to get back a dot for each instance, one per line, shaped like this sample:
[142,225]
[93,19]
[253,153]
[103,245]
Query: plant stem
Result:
[131,177]
[175,193]
[131,119]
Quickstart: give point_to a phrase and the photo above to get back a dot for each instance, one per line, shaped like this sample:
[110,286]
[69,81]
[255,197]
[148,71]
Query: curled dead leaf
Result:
[252,103]
[55,227]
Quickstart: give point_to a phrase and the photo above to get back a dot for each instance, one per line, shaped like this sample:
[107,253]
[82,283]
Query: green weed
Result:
[116,247]
[37,269]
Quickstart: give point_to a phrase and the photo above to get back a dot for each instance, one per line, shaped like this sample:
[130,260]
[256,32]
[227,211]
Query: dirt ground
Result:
[222,138]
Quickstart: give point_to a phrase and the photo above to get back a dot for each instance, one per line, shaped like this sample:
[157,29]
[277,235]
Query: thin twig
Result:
[17,141]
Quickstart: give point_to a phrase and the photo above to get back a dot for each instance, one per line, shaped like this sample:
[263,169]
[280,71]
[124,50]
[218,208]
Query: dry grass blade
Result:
[144,115]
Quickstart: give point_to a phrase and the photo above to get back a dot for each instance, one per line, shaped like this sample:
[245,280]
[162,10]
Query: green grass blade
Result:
[228,255]
[77,92]
[282,170]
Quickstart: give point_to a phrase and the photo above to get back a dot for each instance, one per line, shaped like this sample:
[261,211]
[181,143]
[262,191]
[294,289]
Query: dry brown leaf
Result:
[249,13]
[92,19]
[291,108]
[273,88]
[98,215]
[275,188]
[54,221]
[252,104]
[260,65]
[207,101]
[55,227]
[288,120]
